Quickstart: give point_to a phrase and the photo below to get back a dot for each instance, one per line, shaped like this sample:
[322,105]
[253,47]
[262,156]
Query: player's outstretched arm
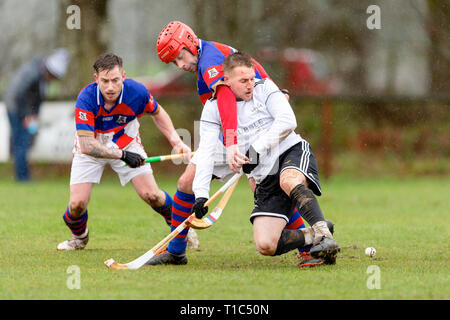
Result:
[164,124]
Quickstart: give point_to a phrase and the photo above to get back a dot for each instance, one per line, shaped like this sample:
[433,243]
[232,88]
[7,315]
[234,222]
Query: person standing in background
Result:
[27,90]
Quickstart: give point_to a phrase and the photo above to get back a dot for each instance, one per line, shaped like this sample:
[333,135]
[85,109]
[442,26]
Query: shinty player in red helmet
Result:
[178,43]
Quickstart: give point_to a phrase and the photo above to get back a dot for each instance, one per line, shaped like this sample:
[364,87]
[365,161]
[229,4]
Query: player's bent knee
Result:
[290,178]
[266,247]
[185,184]
[187,178]
[151,198]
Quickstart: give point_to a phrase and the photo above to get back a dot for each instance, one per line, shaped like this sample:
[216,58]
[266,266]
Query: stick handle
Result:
[166,157]
[222,203]
[140,261]
[209,220]
[164,242]
[219,192]
[233,181]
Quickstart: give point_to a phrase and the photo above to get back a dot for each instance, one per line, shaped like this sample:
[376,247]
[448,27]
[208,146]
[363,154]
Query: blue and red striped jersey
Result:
[210,69]
[118,126]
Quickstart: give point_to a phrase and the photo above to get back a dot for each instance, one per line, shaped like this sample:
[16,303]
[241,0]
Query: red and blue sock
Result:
[296,222]
[181,209]
[78,226]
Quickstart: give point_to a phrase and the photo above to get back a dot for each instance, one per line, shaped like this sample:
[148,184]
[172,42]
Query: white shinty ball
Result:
[370,252]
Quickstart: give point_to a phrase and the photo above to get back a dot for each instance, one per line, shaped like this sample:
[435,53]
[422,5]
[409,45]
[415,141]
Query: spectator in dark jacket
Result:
[23,98]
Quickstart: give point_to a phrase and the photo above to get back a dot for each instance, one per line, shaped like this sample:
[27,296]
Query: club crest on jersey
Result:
[82,116]
[121,120]
[213,73]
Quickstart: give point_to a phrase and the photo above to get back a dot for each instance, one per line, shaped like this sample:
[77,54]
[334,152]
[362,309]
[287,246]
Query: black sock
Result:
[307,204]
[290,240]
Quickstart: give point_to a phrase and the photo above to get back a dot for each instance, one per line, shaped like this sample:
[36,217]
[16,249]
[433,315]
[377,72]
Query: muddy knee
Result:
[289,178]
[77,207]
[152,198]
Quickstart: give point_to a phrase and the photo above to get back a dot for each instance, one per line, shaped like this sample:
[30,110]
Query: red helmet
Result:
[174,37]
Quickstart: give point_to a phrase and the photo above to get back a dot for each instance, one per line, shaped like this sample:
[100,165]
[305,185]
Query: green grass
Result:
[406,220]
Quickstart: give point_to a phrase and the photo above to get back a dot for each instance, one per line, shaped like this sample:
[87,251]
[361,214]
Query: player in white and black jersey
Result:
[281,162]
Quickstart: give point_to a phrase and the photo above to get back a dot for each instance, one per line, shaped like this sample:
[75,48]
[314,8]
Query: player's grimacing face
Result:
[186,61]
[241,81]
[110,83]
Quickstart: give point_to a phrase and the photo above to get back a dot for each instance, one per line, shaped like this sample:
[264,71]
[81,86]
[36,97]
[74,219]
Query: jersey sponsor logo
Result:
[82,116]
[213,73]
[107,118]
[256,126]
[121,120]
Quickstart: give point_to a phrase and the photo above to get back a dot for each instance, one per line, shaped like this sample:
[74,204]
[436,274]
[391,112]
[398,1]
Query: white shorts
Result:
[87,169]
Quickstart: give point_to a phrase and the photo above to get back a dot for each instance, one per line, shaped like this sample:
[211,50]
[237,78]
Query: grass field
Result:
[406,220]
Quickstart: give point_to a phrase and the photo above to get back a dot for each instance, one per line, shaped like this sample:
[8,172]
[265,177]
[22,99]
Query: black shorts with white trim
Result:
[270,199]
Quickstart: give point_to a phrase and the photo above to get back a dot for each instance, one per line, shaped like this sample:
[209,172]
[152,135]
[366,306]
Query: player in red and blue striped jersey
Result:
[178,43]
[117,126]
[106,117]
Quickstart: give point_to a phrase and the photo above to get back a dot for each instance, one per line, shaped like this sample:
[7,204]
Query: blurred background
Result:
[371,99]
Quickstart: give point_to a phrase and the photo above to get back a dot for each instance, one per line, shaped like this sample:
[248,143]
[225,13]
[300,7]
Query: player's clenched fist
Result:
[181,147]
[132,159]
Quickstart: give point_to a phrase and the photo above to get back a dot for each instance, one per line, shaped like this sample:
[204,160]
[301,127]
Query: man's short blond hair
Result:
[237,59]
